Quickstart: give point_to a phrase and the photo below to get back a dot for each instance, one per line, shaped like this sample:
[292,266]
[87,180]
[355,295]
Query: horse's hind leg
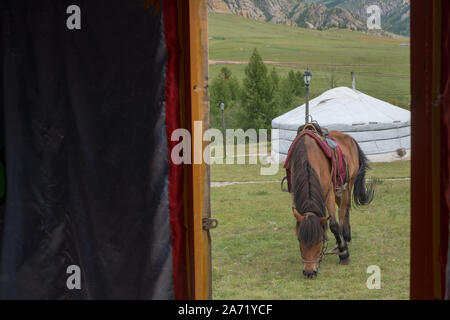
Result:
[344,216]
[337,230]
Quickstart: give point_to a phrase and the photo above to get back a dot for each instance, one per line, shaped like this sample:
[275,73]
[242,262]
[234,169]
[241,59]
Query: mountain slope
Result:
[394,13]
[319,14]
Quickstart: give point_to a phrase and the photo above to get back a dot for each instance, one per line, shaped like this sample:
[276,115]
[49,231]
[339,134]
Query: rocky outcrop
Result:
[218,6]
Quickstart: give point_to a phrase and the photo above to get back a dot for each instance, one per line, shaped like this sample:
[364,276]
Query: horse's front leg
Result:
[337,230]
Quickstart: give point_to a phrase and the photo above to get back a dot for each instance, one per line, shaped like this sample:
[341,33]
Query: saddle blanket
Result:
[334,154]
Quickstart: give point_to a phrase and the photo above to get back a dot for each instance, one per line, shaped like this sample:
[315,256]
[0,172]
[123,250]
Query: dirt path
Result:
[385,39]
[277,63]
[307,64]
[230,183]
[215,184]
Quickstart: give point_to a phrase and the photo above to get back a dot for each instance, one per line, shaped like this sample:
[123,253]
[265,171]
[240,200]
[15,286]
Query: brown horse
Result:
[313,194]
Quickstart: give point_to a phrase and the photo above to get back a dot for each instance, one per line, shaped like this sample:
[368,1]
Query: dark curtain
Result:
[83,133]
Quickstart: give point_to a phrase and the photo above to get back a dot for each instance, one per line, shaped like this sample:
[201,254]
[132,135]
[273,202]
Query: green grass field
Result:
[381,65]
[255,249]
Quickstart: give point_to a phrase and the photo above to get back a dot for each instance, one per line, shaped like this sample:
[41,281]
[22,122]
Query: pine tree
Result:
[258,93]
[224,89]
[299,84]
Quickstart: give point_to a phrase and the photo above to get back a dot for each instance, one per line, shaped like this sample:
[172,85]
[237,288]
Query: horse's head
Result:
[311,233]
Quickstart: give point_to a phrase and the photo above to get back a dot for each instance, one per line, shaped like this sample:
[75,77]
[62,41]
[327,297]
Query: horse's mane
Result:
[307,194]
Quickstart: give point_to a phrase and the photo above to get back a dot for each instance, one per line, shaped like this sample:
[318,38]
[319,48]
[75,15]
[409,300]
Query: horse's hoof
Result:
[345,261]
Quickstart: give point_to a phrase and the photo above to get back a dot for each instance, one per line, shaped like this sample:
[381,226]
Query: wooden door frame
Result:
[429,220]
[194,34]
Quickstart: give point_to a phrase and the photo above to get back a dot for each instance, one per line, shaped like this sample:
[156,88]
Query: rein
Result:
[324,253]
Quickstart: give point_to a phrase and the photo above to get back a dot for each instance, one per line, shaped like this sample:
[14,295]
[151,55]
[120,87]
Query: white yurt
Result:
[381,129]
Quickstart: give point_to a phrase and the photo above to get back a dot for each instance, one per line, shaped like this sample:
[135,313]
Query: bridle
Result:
[322,253]
[324,246]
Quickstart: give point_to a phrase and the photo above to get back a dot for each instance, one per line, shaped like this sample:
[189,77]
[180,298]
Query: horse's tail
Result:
[362,192]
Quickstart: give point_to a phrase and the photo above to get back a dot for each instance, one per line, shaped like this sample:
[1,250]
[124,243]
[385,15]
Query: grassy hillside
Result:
[381,65]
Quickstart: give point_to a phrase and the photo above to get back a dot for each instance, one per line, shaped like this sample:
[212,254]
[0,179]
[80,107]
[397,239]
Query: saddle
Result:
[331,149]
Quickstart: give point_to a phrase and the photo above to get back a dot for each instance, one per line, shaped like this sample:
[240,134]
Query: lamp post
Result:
[222,108]
[307,80]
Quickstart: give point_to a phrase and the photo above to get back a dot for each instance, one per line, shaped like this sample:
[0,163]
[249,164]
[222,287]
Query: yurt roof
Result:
[346,109]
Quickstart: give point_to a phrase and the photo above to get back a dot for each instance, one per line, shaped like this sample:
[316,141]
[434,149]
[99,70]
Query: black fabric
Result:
[83,131]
